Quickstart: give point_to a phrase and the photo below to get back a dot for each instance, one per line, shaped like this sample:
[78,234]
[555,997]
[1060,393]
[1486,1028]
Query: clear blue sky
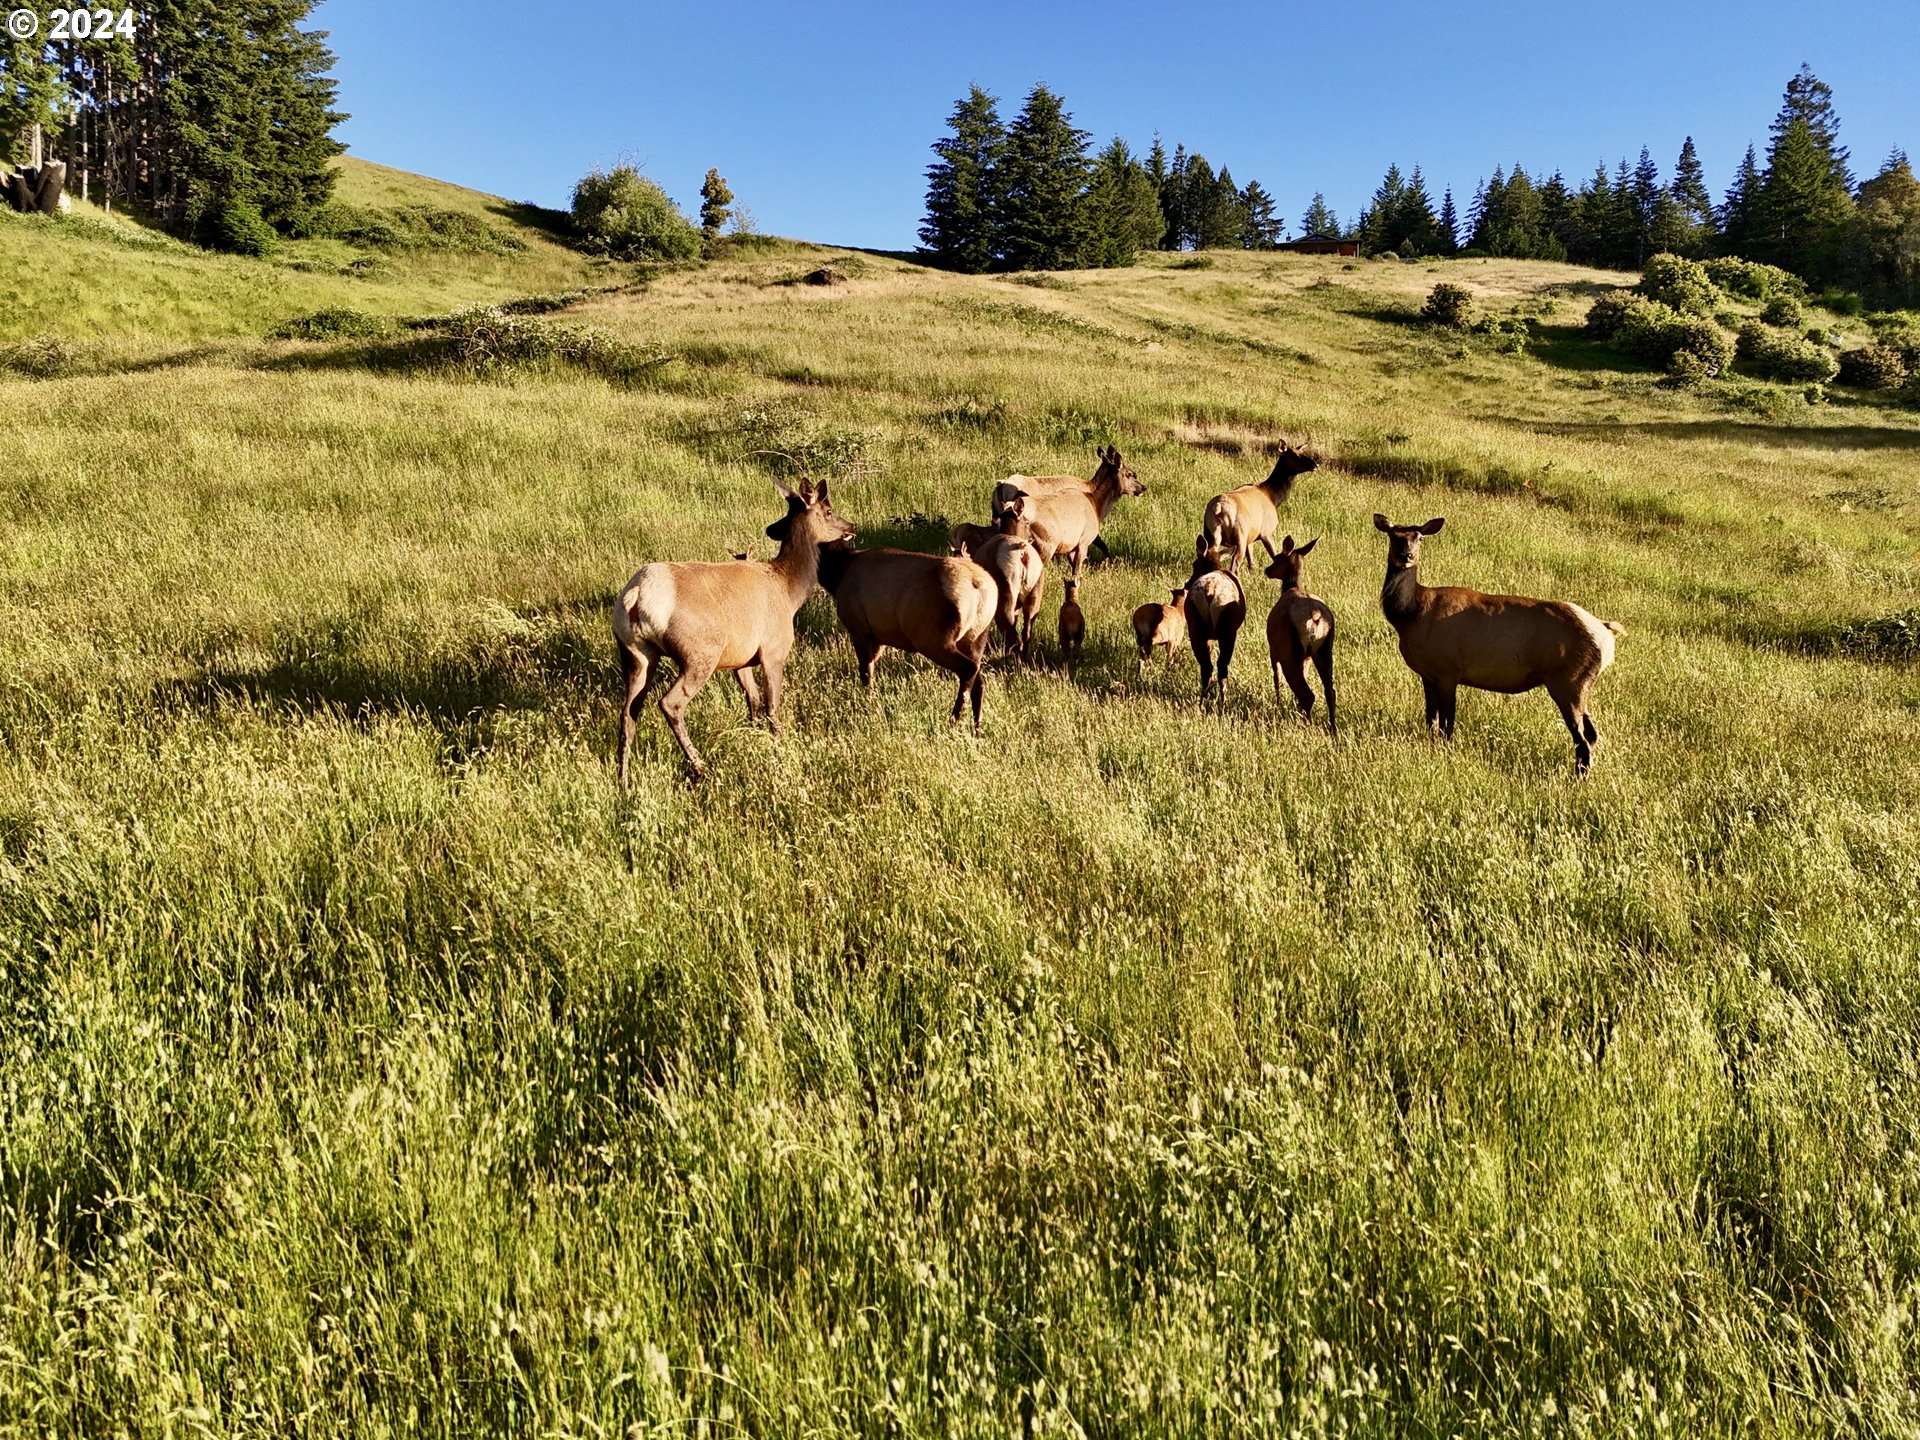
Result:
[820,115]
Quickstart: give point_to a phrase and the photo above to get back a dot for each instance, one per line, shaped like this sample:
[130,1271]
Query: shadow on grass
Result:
[1569,347]
[554,224]
[1827,437]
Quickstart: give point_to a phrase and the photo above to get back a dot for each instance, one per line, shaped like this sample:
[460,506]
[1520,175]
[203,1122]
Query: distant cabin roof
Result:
[1319,235]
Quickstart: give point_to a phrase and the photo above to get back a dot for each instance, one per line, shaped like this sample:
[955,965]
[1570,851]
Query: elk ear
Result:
[1199,545]
[1286,545]
[820,495]
[1308,546]
[1380,523]
[1432,527]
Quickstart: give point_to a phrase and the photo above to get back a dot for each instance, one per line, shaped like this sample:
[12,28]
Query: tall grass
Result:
[368,1065]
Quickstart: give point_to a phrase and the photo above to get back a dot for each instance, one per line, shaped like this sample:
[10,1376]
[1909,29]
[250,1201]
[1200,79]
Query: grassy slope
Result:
[361,1050]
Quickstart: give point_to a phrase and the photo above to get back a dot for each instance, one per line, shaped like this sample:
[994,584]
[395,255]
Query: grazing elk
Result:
[1241,517]
[1300,628]
[1451,636]
[1019,573]
[730,615]
[933,605]
[1069,511]
[1073,627]
[1156,624]
[1216,606]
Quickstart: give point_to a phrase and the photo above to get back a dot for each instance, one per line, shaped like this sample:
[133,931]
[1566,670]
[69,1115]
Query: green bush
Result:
[1873,367]
[238,228]
[1751,281]
[1818,336]
[619,212]
[336,323]
[1890,637]
[1655,333]
[1841,302]
[1449,305]
[1901,332]
[1785,312]
[1686,369]
[416,227]
[1679,283]
[1773,355]
[1605,315]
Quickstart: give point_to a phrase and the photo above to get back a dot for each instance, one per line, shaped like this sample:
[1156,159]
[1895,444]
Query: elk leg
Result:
[1100,544]
[1296,668]
[749,689]
[1449,699]
[673,705]
[1226,659]
[774,673]
[637,669]
[1206,664]
[866,652]
[1434,705]
[1572,708]
[1323,662]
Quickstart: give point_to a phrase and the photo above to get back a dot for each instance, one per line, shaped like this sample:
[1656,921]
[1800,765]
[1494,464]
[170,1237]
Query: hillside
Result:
[364,1054]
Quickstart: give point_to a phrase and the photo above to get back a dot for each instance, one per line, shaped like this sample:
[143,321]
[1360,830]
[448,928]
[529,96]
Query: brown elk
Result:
[1019,570]
[933,605]
[1452,636]
[730,615]
[1216,607]
[1240,518]
[1069,511]
[1300,628]
[1156,624]
[1073,627]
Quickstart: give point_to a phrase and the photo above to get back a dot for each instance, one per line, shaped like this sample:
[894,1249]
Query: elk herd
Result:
[738,615]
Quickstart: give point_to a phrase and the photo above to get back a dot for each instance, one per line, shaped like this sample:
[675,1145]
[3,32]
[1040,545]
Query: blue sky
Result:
[820,115]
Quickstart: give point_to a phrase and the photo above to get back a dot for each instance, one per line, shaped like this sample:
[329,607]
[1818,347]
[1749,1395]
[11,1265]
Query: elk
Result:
[1073,627]
[1452,636]
[1300,628]
[933,605]
[1019,573]
[1216,606]
[1236,520]
[1069,511]
[1156,624]
[730,615]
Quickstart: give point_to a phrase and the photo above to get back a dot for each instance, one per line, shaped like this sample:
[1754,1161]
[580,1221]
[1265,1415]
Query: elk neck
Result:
[798,563]
[1400,595]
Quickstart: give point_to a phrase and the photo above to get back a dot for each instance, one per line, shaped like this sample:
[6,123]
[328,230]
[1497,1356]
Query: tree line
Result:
[1030,195]
[213,118]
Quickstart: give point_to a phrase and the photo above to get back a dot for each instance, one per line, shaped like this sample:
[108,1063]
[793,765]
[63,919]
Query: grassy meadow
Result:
[369,1066]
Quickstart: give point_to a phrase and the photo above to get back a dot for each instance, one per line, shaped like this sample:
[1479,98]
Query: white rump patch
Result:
[1602,636]
[649,600]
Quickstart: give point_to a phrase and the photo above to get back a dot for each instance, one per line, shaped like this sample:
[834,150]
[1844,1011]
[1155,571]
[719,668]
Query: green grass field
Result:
[369,1066]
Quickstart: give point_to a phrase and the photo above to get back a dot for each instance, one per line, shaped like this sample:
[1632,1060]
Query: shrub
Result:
[1784,311]
[543,304]
[1686,369]
[1841,302]
[238,228]
[1818,336]
[1509,333]
[1902,333]
[1449,305]
[1655,333]
[1605,315]
[1890,637]
[1776,356]
[1873,367]
[337,323]
[1679,283]
[620,212]
[485,340]
[1754,282]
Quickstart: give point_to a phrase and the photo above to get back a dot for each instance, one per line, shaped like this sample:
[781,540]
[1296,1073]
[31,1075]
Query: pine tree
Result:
[1319,219]
[960,229]
[716,208]
[1803,212]
[1489,206]
[1810,98]
[1689,191]
[1414,223]
[1262,224]
[1123,208]
[1888,226]
[1476,214]
[1173,202]
[1042,190]
[33,92]
[1158,172]
[1556,218]
[1449,226]
[1739,211]
[1377,232]
[1646,199]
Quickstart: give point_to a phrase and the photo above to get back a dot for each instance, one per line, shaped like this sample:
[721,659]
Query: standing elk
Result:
[1019,570]
[1161,623]
[933,605]
[730,615]
[1216,606]
[1069,511]
[1452,636]
[1073,627]
[1240,518]
[1300,628]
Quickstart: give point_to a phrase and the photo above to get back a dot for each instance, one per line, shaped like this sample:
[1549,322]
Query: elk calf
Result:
[1156,624]
[1019,570]
[1300,628]
[1451,636]
[727,616]
[932,605]
[1073,627]
[1216,606]
[1241,517]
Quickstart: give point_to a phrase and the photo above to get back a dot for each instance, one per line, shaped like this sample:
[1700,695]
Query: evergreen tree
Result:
[1262,223]
[1803,212]
[1319,219]
[1809,98]
[1621,243]
[1123,208]
[1476,214]
[1042,187]
[1646,199]
[1556,219]
[1173,202]
[1888,228]
[1157,172]
[1739,212]
[33,92]
[1214,219]
[1489,203]
[1376,232]
[1414,223]
[1449,225]
[1689,191]
[716,208]
[960,228]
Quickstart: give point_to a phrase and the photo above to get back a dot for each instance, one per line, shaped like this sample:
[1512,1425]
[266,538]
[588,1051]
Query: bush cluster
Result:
[1775,355]
[1890,637]
[1873,367]
[1449,305]
[1682,284]
[1784,312]
[619,212]
[1655,333]
[238,228]
[339,322]
[485,340]
[416,227]
[1753,281]
[1605,315]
